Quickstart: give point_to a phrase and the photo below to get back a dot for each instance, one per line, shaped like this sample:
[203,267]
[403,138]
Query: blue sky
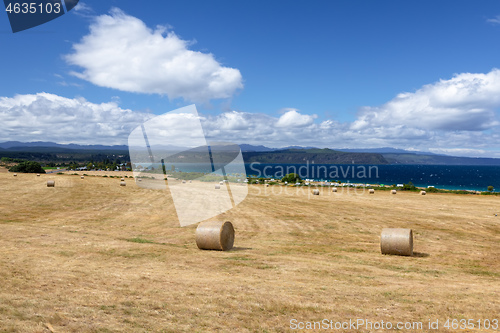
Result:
[414,74]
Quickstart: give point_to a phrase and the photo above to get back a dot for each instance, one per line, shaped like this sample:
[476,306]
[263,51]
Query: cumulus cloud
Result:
[121,52]
[467,102]
[456,116]
[49,117]
[295,119]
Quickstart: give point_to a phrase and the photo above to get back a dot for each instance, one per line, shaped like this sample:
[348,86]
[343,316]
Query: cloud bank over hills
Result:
[458,116]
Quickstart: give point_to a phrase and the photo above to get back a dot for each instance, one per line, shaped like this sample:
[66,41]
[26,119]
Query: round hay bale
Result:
[371,191]
[184,182]
[394,192]
[51,183]
[423,193]
[82,177]
[139,180]
[15,175]
[123,179]
[217,187]
[215,235]
[334,189]
[221,183]
[398,241]
[267,185]
[123,184]
[315,192]
[190,181]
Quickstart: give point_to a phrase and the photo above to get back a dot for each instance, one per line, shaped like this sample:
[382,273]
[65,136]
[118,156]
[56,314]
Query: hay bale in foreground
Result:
[123,179]
[394,192]
[371,191]
[315,192]
[398,241]
[123,184]
[38,175]
[217,187]
[184,182]
[15,175]
[51,183]
[215,235]
[423,193]
[82,177]
[334,189]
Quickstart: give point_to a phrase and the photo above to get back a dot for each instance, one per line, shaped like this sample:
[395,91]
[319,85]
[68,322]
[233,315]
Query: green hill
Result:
[319,156]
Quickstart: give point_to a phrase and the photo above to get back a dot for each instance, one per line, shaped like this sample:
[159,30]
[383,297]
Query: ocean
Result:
[450,177]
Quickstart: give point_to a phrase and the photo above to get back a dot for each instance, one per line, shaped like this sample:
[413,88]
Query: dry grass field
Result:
[92,256]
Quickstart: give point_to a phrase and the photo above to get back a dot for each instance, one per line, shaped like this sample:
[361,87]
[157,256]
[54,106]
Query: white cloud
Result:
[459,151]
[48,117]
[295,119]
[82,9]
[495,20]
[467,102]
[121,52]
[456,116]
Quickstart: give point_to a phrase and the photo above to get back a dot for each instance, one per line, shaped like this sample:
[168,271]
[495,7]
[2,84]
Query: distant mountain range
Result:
[21,146]
[263,154]
[386,150]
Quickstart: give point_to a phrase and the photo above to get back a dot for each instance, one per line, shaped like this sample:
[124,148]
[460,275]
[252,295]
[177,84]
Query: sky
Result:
[416,75]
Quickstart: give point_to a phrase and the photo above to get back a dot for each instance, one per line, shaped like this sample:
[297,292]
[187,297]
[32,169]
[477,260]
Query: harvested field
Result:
[91,256]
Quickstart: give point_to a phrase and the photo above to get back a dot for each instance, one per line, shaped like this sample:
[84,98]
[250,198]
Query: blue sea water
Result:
[451,177]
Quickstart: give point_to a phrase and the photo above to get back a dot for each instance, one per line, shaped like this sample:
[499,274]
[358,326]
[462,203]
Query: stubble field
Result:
[92,256]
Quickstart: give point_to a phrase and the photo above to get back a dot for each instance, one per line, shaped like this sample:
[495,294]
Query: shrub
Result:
[409,187]
[27,167]
[432,190]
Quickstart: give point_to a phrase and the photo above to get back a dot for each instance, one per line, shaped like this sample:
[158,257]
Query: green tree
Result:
[291,178]
[490,188]
[27,167]
[409,187]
